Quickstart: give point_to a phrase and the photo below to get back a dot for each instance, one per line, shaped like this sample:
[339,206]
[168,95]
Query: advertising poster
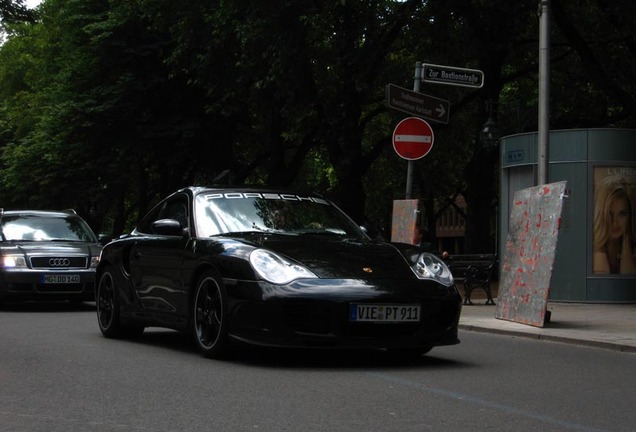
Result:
[614,226]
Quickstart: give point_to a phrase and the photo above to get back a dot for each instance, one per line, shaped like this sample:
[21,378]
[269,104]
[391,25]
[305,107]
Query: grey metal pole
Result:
[543,150]
[409,180]
[417,79]
[409,171]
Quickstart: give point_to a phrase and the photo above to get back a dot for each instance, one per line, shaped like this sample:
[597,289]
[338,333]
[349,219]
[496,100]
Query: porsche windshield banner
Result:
[267,196]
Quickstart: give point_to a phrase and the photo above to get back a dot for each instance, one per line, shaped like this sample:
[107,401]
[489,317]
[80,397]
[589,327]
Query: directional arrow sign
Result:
[452,75]
[413,138]
[417,104]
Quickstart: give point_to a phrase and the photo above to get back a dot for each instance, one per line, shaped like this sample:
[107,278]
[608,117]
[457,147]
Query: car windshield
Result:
[45,228]
[225,213]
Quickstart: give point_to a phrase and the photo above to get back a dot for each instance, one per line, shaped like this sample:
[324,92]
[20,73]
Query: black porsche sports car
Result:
[274,268]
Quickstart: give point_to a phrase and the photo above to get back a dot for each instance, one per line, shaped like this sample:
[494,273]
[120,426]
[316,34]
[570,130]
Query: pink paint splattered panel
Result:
[404,219]
[529,254]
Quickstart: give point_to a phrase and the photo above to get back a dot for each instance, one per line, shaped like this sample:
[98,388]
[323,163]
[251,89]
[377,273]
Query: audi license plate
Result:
[61,279]
[385,313]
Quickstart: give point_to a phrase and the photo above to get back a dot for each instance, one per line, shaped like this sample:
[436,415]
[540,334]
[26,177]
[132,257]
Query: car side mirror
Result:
[168,227]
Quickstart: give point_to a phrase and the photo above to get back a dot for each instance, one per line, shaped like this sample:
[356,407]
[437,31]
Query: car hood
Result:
[337,258]
[54,248]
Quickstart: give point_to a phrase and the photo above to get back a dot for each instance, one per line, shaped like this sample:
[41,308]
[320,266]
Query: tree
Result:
[108,105]
[15,11]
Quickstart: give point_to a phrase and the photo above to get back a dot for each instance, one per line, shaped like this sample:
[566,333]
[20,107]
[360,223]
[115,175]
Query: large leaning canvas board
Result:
[528,257]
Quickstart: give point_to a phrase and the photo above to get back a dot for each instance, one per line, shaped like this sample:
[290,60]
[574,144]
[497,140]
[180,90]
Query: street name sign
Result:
[413,138]
[417,104]
[452,75]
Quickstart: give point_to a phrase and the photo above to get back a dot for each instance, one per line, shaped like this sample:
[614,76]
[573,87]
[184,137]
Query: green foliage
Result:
[107,105]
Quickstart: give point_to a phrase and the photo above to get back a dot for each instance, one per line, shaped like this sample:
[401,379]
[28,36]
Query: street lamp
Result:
[490,133]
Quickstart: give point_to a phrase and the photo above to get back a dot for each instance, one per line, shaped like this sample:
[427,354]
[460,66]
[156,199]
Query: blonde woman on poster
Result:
[614,240]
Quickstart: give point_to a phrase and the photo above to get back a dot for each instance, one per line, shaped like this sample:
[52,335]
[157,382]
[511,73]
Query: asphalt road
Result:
[57,373]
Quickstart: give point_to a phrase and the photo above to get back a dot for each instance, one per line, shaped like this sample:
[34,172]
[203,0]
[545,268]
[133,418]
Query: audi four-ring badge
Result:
[239,265]
[47,255]
[59,262]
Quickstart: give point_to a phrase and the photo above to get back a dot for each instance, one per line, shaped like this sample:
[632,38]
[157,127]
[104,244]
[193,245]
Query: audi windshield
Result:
[42,228]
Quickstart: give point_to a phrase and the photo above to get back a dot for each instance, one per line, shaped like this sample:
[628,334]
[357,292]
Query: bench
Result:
[473,271]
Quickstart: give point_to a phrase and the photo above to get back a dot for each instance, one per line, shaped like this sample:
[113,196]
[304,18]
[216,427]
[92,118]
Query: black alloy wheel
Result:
[108,313]
[209,316]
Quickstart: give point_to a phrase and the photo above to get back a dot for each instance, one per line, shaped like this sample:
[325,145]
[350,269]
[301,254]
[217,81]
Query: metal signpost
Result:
[425,106]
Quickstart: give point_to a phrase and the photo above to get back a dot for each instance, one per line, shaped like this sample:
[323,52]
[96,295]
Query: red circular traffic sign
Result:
[413,138]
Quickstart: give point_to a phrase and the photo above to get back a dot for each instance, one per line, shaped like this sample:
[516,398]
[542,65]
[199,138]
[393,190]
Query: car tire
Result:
[209,316]
[108,309]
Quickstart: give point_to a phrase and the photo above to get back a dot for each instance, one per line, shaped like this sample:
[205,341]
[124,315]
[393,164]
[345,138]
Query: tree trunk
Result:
[481,201]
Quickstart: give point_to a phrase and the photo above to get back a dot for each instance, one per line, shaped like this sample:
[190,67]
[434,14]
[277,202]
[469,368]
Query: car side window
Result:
[175,208]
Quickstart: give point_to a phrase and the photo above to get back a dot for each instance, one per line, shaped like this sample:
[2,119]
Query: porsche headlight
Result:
[276,269]
[14,261]
[429,266]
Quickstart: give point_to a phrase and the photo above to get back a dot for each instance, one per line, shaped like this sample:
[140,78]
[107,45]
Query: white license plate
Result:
[60,279]
[389,313]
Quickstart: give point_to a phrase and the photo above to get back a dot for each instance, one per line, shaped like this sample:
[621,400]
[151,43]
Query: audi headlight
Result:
[276,269]
[14,261]
[94,261]
[429,266]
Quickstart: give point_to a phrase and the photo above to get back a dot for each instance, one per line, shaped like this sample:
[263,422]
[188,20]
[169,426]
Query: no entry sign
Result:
[412,138]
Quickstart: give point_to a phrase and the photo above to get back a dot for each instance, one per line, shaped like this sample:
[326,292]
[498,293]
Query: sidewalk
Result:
[610,326]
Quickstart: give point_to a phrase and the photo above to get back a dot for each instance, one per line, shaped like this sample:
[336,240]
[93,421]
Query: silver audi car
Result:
[47,255]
